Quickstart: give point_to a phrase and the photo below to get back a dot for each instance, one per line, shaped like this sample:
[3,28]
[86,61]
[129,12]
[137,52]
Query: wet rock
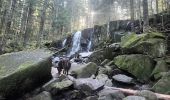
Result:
[110,94]
[134,98]
[42,96]
[91,98]
[147,94]
[86,71]
[88,85]
[160,67]
[123,79]
[104,79]
[152,44]
[162,86]
[138,65]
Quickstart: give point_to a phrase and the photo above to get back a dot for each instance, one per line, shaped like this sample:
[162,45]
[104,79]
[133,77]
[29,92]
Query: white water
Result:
[64,42]
[76,43]
[89,46]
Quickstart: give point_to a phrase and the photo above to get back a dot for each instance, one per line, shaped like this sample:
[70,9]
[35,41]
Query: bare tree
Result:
[145,16]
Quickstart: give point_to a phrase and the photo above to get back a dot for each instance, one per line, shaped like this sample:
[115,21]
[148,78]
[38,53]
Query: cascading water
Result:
[64,42]
[76,43]
[89,46]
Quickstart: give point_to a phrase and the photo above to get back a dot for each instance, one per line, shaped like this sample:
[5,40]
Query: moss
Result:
[25,79]
[11,61]
[138,65]
[62,85]
[152,44]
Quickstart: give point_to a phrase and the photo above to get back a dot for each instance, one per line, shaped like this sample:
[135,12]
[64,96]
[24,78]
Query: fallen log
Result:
[132,92]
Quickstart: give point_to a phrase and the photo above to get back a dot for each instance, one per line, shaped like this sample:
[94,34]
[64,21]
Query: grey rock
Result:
[86,71]
[105,62]
[123,78]
[110,94]
[149,95]
[134,98]
[42,96]
[88,85]
[55,87]
[104,79]
[91,98]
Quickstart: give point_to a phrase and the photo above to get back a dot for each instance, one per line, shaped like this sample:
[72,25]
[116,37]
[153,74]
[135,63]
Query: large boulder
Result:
[86,71]
[104,79]
[110,94]
[24,71]
[123,79]
[97,57]
[88,85]
[147,94]
[160,67]
[138,65]
[152,44]
[56,87]
[162,86]
[134,98]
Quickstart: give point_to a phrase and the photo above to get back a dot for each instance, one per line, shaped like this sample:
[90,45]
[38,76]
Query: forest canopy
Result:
[29,23]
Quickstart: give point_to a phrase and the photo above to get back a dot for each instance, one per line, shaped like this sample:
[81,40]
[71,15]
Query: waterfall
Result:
[76,43]
[89,46]
[64,42]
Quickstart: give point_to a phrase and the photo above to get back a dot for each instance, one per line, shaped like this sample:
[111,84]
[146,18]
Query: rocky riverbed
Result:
[139,62]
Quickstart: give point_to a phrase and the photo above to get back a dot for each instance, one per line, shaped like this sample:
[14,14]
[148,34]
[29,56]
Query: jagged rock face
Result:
[162,86]
[86,71]
[138,65]
[22,72]
[152,44]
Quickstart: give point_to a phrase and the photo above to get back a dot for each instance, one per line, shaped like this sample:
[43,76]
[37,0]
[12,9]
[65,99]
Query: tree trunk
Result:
[9,18]
[145,16]
[23,18]
[157,7]
[132,13]
[28,24]
[41,29]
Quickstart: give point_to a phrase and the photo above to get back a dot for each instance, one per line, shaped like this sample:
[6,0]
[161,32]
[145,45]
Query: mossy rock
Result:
[24,71]
[162,86]
[86,71]
[138,65]
[152,44]
[160,67]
